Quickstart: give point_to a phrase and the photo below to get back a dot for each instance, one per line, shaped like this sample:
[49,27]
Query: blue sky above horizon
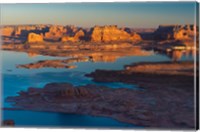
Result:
[138,15]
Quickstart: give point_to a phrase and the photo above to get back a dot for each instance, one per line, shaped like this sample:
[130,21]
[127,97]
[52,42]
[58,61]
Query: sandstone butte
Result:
[111,33]
[176,32]
[7,31]
[21,29]
[77,37]
[34,38]
[55,32]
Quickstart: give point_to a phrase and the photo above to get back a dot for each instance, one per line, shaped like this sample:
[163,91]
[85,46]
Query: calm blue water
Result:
[14,80]
[50,119]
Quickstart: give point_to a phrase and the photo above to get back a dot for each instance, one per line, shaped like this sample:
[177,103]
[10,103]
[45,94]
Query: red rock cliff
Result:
[111,33]
[34,38]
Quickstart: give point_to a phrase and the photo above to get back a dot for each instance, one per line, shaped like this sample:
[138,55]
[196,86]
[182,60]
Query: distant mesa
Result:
[175,32]
[135,37]
[165,34]
[111,33]
[7,31]
[55,33]
[69,33]
[77,37]
[34,38]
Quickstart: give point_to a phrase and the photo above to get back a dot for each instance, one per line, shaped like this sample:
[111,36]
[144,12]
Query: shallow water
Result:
[50,119]
[15,80]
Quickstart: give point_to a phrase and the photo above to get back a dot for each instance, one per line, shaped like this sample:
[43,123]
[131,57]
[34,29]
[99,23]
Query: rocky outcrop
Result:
[55,32]
[66,90]
[77,37]
[135,37]
[166,68]
[7,31]
[175,32]
[68,39]
[169,84]
[146,107]
[54,63]
[34,38]
[110,34]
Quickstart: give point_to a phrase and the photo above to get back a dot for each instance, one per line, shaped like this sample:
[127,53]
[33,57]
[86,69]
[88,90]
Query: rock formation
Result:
[7,31]
[175,32]
[77,37]
[154,106]
[18,34]
[67,38]
[54,63]
[135,37]
[110,34]
[34,38]
[55,32]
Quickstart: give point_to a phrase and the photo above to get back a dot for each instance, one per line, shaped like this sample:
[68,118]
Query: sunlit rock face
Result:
[55,32]
[110,33]
[34,38]
[7,31]
[175,32]
[18,34]
[23,30]
[79,35]
[135,37]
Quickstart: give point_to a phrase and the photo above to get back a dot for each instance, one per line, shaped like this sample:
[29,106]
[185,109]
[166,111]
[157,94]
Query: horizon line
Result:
[3,25]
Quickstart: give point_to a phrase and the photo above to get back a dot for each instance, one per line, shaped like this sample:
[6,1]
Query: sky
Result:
[130,14]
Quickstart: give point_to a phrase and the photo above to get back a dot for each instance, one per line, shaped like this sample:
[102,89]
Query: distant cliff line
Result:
[108,33]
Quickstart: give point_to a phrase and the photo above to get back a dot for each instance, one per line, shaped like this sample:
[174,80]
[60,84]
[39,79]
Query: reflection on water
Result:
[12,59]
[15,79]
[179,55]
[84,56]
[176,55]
[32,54]
[111,57]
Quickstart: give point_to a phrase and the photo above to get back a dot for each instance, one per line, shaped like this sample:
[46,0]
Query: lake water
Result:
[15,80]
